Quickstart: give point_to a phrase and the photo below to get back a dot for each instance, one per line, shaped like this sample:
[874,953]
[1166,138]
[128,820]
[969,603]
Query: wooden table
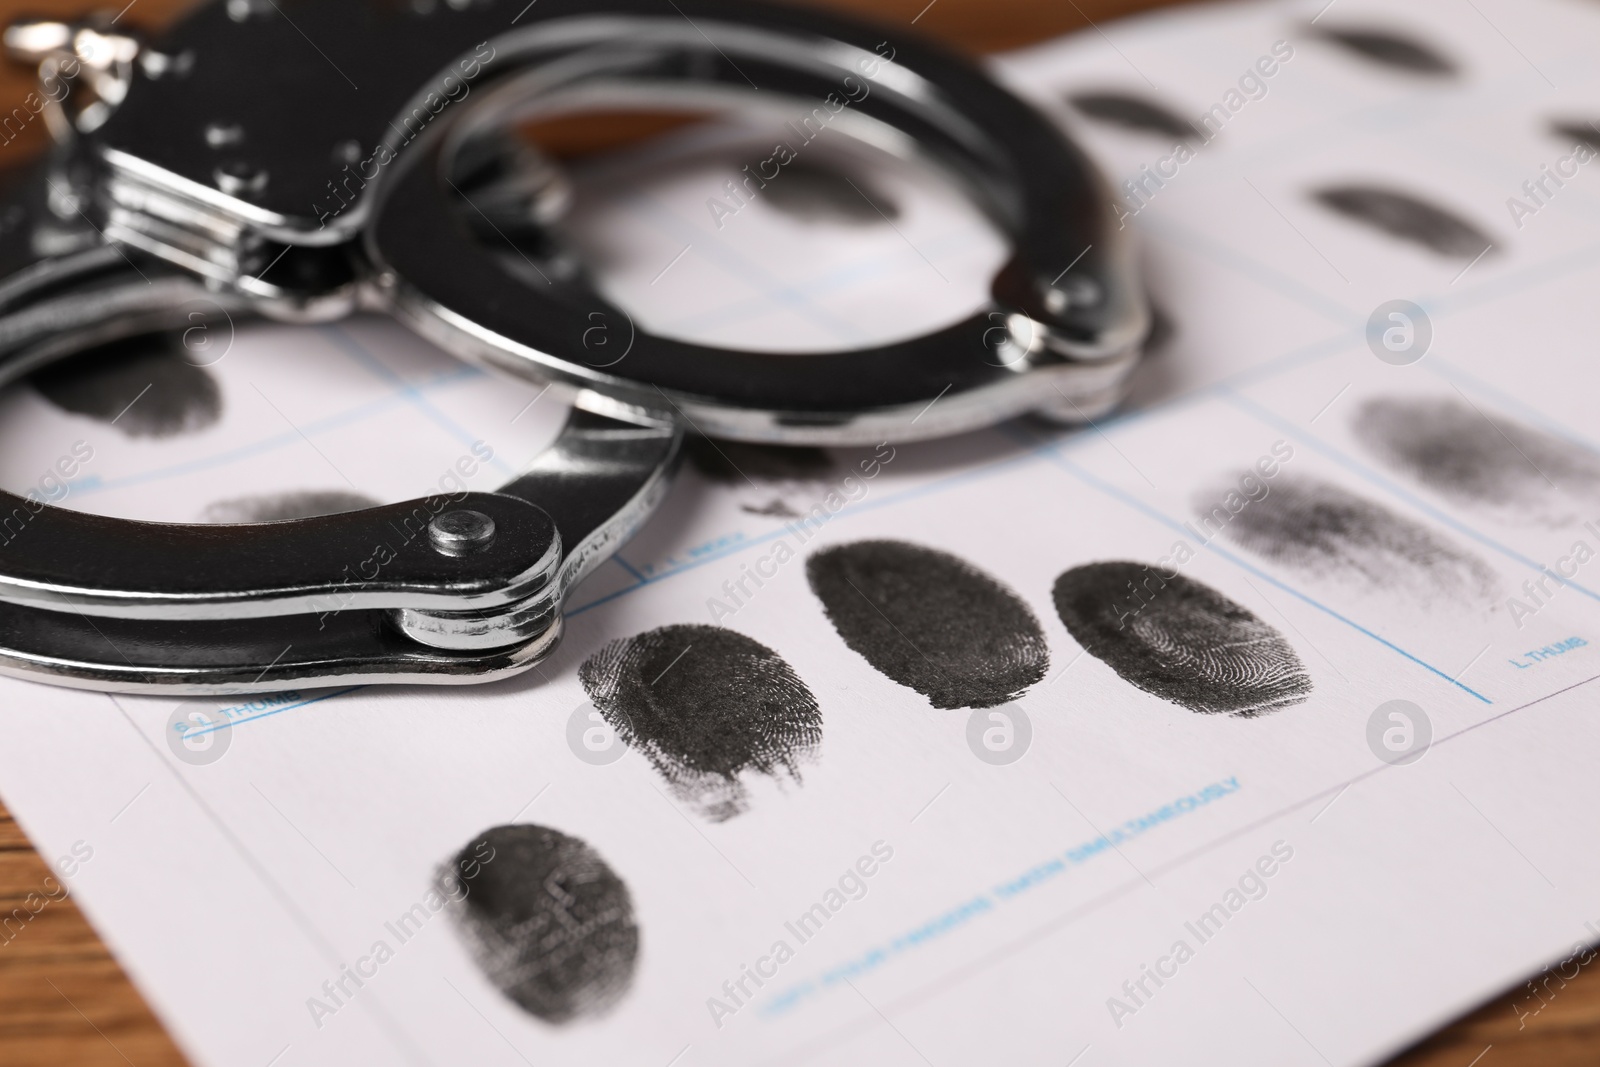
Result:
[65,1000]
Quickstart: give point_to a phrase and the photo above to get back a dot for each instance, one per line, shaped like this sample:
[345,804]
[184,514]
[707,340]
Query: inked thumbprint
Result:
[1388,48]
[1135,113]
[1328,533]
[1407,218]
[930,621]
[548,921]
[1584,132]
[1180,640]
[143,386]
[706,706]
[1491,464]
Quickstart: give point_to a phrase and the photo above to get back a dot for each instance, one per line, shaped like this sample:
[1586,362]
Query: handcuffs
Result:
[303,160]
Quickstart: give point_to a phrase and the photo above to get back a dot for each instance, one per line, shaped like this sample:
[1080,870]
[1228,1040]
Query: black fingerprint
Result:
[1180,640]
[1389,49]
[1133,113]
[1502,466]
[1406,217]
[705,705]
[1328,533]
[930,621]
[142,385]
[278,507]
[815,193]
[1584,133]
[545,917]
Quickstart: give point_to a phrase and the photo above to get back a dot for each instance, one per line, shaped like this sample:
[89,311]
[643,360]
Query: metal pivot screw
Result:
[456,533]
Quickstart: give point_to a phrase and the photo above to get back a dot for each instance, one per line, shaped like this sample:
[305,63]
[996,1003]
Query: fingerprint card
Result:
[1249,725]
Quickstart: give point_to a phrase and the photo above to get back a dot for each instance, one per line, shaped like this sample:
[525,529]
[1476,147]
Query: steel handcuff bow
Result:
[225,166]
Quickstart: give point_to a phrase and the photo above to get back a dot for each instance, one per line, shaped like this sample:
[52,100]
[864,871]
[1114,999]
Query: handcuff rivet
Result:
[456,533]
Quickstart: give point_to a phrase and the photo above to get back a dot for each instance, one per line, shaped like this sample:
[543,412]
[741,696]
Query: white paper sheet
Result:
[234,877]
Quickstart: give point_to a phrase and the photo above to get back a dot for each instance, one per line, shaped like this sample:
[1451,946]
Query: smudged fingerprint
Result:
[280,507]
[813,192]
[143,385]
[1500,466]
[930,621]
[771,480]
[705,706]
[547,920]
[1186,642]
[1586,132]
[1389,49]
[1403,216]
[1133,113]
[1330,534]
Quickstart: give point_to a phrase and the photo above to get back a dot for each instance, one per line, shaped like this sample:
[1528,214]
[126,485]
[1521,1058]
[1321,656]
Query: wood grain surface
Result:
[64,1000]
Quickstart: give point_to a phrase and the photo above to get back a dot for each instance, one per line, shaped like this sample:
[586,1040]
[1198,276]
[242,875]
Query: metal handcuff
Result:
[232,165]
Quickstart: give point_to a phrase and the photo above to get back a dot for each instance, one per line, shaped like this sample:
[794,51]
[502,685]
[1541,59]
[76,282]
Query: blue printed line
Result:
[630,568]
[1150,512]
[1303,356]
[1505,399]
[986,902]
[1246,265]
[1512,284]
[274,711]
[1250,407]
[363,356]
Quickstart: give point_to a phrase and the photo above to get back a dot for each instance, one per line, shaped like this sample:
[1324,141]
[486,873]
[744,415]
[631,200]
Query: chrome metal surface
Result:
[366,151]
[365,596]
[461,532]
[229,657]
[1060,336]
